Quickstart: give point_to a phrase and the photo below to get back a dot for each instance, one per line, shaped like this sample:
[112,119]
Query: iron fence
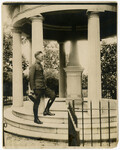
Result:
[4,126]
[71,112]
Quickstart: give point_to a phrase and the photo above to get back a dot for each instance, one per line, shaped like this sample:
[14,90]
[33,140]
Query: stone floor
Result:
[17,142]
[13,141]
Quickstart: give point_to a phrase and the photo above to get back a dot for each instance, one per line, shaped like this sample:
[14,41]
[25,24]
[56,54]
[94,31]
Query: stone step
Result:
[58,105]
[48,119]
[61,117]
[53,127]
[35,134]
[56,137]
[54,131]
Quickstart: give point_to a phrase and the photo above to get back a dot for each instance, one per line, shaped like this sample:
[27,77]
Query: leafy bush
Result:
[53,84]
[109,70]
[25,84]
[52,80]
[51,66]
[84,81]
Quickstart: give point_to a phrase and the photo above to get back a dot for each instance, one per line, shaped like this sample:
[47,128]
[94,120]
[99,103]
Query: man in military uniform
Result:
[38,86]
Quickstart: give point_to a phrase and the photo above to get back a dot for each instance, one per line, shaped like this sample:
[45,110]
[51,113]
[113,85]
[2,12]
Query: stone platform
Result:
[20,122]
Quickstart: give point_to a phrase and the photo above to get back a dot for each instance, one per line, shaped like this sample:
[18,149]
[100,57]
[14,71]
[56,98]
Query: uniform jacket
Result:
[36,76]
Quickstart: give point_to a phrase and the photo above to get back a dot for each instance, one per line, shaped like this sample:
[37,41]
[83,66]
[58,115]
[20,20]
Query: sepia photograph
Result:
[60,75]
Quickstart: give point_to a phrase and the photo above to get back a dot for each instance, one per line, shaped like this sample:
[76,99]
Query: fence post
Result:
[73,105]
[4,126]
[100,123]
[109,121]
[3,136]
[82,123]
[91,123]
[69,128]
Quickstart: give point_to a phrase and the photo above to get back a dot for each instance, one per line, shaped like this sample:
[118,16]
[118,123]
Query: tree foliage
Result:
[51,58]
[84,81]
[8,65]
[51,65]
[7,57]
[109,70]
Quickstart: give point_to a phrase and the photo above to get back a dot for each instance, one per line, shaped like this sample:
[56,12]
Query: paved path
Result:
[13,141]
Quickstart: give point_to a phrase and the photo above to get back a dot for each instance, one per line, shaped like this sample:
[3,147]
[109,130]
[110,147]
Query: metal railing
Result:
[73,117]
[4,126]
[73,131]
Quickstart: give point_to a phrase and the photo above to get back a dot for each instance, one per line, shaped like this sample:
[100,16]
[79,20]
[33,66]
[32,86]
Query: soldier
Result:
[38,86]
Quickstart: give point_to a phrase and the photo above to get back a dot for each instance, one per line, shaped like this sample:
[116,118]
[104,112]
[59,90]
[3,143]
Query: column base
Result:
[74,83]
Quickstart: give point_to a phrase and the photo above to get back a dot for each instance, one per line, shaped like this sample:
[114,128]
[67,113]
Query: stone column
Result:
[37,44]
[74,55]
[62,74]
[17,69]
[37,35]
[74,75]
[30,51]
[30,57]
[94,70]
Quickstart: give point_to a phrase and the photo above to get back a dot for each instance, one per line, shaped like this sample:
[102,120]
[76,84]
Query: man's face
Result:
[40,57]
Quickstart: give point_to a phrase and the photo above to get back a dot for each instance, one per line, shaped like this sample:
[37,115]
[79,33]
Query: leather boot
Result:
[46,111]
[36,119]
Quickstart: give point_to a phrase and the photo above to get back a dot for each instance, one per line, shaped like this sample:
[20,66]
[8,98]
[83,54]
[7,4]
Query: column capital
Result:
[92,14]
[16,30]
[37,18]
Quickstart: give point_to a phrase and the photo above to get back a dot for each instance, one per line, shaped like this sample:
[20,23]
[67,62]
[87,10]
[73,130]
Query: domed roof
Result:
[60,20]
